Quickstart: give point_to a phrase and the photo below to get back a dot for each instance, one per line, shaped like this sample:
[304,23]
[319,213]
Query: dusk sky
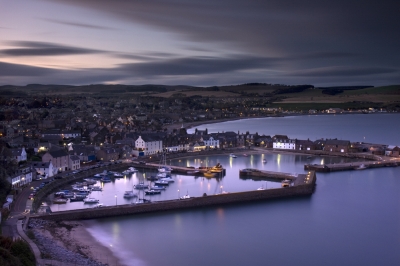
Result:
[200,42]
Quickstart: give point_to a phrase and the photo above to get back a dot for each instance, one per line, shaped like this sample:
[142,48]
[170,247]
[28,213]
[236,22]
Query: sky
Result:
[200,42]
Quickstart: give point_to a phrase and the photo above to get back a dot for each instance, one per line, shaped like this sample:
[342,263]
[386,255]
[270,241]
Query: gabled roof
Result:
[58,153]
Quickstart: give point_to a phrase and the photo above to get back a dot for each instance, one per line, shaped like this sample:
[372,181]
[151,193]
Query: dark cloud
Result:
[17,70]
[27,48]
[146,56]
[197,65]
[343,71]
[80,25]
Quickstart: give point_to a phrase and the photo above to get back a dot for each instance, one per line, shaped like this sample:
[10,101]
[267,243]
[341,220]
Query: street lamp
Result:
[221,189]
[115,200]
[178,194]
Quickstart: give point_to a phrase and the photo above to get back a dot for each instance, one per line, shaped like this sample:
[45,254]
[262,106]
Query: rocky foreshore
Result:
[56,243]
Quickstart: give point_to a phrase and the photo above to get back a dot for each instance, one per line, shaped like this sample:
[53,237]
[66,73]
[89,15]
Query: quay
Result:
[255,174]
[303,185]
[326,168]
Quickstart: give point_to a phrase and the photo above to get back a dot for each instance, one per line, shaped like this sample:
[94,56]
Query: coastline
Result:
[70,243]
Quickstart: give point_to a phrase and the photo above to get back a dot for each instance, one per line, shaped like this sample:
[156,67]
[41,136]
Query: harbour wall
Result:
[304,189]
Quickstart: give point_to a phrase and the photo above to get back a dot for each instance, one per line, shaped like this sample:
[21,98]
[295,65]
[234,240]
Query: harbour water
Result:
[353,218]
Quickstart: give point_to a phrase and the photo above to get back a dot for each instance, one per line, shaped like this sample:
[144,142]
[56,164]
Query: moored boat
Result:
[105,179]
[129,194]
[152,192]
[232,155]
[141,185]
[161,183]
[90,200]
[157,187]
[209,174]
[60,201]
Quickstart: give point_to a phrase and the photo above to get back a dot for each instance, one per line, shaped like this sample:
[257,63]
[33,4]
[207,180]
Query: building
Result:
[107,154]
[19,154]
[74,162]
[286,144]
[335,145]
[148,145]
[22,177]
[44,169]
[59,159]
[210,142]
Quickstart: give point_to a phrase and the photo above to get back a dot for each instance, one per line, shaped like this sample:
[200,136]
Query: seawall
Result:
[303,189]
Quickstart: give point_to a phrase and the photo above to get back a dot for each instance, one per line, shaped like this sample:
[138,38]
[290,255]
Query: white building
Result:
[211,142]
[19,154]
[176,148]
[22,177]
[287,144]
[148,145]
[45,169]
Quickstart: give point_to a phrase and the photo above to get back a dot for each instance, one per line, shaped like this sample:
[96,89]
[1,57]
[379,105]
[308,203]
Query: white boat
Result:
[161,183]
[90,200]
[132,169]
[232,155]
[116,174]
[264,160]
[152,192]
[130,194]
[157,187]
[141,185]
[168,179]
[96,188]
[163,165]
[60,201]
[185,196]
[361,167]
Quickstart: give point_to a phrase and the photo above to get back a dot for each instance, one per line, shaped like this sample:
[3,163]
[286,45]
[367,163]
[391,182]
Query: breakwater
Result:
[302,187]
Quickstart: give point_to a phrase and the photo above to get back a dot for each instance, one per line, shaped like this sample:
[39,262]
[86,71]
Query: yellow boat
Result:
[209,174]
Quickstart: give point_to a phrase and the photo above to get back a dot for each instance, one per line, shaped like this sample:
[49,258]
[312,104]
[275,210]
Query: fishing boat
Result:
[264,160]
[192,172]
[132,169]
[232,155]
[90,200]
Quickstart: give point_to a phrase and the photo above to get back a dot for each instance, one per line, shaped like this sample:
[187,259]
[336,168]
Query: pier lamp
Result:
[178,194]
[115,200]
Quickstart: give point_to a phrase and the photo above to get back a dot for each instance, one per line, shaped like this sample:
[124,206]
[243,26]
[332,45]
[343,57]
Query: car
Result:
[31,196]
[142,162]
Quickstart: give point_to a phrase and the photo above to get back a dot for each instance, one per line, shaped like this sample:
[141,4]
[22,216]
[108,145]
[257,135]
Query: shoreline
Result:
[189,125]
[71,243]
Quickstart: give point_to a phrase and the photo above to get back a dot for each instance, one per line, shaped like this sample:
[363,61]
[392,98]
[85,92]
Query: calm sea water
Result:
[353,218]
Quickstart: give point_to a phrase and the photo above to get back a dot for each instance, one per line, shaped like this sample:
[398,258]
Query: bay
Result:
[353,218]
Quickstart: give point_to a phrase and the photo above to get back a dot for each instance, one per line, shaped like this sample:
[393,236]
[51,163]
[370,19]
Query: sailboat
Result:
[164,168]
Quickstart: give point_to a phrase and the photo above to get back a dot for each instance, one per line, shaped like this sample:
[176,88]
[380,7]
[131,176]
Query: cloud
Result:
[29,48]
[80,25]
[17,70]
[341,71]
[199,65]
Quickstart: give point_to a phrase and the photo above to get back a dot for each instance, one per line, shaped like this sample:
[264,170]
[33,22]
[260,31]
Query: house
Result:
[286,144]
[59,159]
[44,169]
[392,151]
[22,177]
[74,162]
[334,111]
[71,134]
[107,154]
[305,145]
[210,142]
[19,154]
[149,145]
[335,145]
